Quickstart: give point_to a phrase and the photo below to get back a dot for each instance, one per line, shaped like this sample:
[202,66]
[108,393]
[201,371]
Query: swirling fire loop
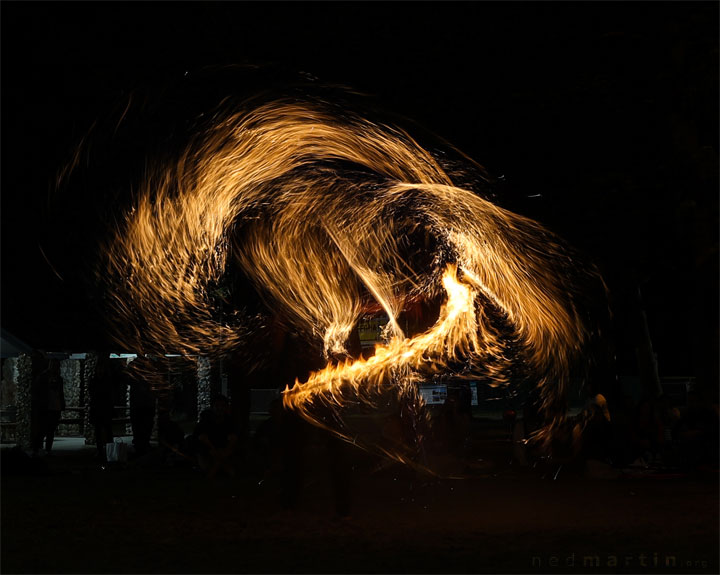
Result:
[327,212]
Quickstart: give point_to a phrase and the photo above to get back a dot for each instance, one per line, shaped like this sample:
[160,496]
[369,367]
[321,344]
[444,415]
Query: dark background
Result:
[608,111]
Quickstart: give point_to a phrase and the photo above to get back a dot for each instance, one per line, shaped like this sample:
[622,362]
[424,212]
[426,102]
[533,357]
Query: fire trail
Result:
[326,212]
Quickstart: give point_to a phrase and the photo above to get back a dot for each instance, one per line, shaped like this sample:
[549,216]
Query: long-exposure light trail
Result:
[325,208]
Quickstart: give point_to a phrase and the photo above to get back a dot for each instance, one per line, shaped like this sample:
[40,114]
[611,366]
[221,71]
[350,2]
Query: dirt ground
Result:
[73,516]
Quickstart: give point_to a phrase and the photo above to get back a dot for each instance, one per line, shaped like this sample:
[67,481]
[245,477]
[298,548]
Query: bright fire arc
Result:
[328,204]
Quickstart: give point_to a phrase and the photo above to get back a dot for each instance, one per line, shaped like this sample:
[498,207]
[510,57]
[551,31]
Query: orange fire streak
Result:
[318,237]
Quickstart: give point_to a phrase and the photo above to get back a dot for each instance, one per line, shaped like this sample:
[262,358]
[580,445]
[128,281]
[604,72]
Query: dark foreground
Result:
[147,517]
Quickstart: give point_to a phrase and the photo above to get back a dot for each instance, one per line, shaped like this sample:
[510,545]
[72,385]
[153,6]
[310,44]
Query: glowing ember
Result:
[325,212]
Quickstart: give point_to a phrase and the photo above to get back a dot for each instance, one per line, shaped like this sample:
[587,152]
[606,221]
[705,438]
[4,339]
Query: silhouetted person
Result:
[592,432]
[624,452]
[171,440]
[464,395]
[142,412]
[340,474]
[101,405]
[454,425]
[293,433]
[48,403]
[697,432]
[647,431]
[216,439]
[267,444]
[240,400]
[169,431]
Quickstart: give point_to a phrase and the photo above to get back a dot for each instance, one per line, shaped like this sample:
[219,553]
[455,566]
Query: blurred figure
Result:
[267,441]
[293,432]
[697,432]
[646,432]
[101,406]
[48,404]
[216,439]
[295,435]
[623,450]
[668,418]
[239,390]
[592,432]
[453,426]
[340,474]
[171,441]
[142,410]
[581,444]
[510,419]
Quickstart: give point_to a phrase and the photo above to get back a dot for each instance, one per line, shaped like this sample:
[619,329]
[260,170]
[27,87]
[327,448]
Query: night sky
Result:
[601,118]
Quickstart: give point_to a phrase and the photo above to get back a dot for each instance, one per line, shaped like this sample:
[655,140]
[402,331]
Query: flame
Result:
[318,207]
